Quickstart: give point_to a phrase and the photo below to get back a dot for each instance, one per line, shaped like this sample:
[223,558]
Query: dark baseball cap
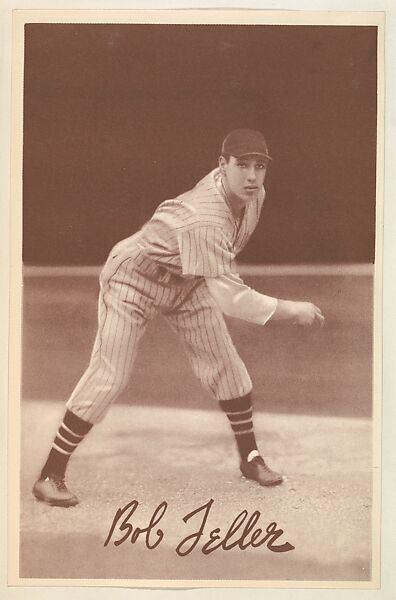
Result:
[244,142]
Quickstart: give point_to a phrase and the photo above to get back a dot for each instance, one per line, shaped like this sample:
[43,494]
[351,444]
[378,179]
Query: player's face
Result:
[243,177]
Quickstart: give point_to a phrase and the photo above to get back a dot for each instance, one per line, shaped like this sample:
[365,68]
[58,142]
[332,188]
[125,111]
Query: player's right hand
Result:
[307,314]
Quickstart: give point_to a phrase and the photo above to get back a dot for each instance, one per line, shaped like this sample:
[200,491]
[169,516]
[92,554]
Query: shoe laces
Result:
[59,482]
[260,461]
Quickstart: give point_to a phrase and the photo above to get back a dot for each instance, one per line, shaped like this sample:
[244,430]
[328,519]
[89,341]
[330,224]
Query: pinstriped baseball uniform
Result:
[165,269]
[180,265]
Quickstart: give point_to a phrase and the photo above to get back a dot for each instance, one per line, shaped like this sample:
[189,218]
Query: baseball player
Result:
[181,265]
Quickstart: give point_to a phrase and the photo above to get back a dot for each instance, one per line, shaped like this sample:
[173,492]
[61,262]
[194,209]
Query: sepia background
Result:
[118,118]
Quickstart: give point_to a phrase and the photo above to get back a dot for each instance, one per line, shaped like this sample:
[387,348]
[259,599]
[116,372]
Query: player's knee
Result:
[112,379]
[223,385]
[115,385]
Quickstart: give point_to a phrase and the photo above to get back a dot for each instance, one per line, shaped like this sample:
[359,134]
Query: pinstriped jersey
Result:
[196,234]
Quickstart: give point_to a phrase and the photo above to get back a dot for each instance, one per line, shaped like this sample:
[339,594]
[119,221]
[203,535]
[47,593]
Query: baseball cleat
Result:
[257,470]
[53,491]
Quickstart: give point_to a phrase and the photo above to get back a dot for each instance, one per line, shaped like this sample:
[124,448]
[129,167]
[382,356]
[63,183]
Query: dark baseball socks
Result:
[240,414]
[70,433]
[73,430]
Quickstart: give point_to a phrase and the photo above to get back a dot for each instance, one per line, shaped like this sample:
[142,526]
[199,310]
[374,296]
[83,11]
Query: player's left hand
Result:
[308,315]
[319,319]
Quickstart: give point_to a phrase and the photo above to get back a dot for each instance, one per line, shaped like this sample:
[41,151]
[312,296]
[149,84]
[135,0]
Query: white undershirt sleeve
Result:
[236,299]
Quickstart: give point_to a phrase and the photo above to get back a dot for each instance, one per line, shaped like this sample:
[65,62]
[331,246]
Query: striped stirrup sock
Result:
[70,433]
[240,414]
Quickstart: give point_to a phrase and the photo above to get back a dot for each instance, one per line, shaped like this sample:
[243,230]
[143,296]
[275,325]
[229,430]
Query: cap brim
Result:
[267,156]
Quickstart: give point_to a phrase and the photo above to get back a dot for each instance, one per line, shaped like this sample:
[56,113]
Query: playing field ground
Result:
[165,440]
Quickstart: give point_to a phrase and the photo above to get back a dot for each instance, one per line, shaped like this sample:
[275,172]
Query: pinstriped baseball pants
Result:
[133,291]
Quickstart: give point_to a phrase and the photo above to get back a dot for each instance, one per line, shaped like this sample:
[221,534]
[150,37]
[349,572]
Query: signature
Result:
[243,532]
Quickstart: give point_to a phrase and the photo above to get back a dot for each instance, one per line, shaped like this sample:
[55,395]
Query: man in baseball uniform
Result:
[181,264]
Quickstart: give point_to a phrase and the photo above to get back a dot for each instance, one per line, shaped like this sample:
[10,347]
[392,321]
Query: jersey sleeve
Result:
[236,299]
[205,252]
